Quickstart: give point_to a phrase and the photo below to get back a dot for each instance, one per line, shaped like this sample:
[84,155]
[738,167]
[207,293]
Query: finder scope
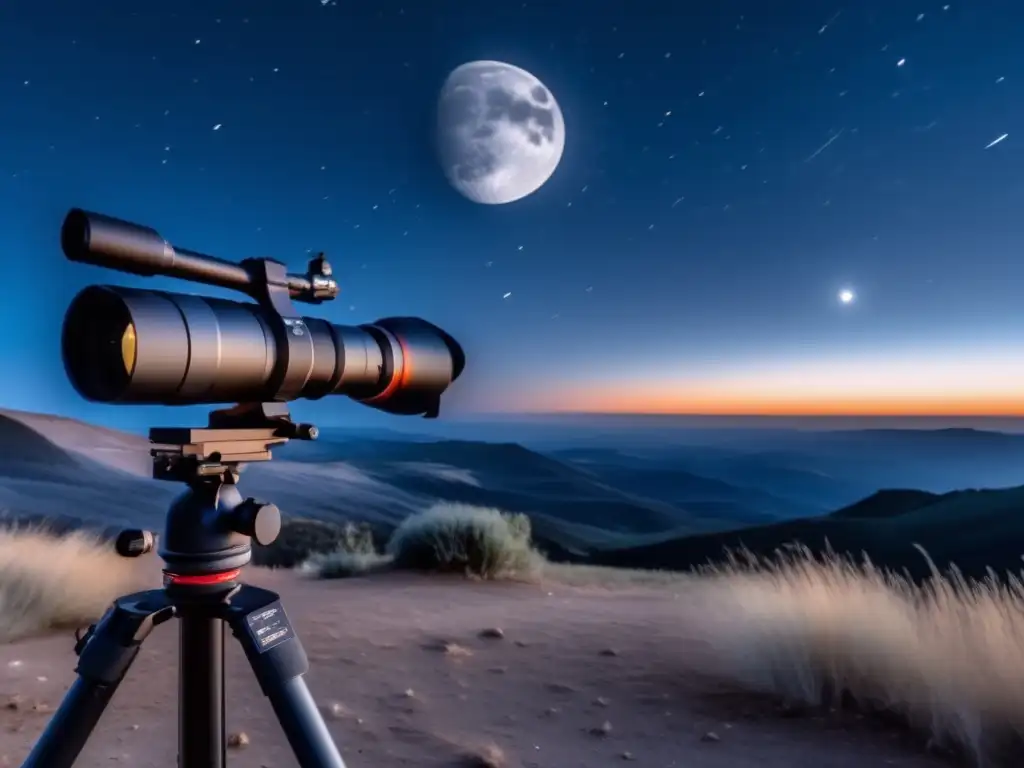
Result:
[127,345]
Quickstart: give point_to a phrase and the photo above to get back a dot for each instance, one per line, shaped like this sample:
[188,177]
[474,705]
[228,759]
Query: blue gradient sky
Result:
[724,301]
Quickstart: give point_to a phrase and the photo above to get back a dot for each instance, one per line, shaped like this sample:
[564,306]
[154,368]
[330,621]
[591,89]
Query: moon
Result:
[500,132]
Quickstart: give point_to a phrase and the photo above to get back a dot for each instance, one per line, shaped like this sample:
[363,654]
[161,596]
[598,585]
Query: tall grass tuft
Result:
[51,581]
[946,657]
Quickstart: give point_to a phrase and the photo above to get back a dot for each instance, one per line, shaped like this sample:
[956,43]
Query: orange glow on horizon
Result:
[972,383]
[950,407]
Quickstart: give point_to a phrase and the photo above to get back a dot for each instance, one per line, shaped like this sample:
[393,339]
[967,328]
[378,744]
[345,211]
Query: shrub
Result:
[465,539]
[301,539]
[342,564]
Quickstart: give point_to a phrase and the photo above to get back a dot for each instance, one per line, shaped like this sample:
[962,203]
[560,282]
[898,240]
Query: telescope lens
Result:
[128,348]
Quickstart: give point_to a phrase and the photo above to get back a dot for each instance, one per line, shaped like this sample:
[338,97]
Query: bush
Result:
[301,539]
[459,538]
[342,564]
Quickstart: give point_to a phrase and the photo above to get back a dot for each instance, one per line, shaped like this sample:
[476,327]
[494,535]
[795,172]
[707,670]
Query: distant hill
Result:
[888,503]
[62,468]
[509,476]
[973,529]
[707,496]
[657,505]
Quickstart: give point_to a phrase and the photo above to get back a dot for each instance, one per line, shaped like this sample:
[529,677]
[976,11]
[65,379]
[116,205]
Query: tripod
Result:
[206,542]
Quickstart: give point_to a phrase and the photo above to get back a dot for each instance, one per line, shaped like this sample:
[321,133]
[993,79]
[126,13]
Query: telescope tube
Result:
[125,345]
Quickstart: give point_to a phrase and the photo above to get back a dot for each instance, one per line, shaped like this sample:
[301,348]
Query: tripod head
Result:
[210,527]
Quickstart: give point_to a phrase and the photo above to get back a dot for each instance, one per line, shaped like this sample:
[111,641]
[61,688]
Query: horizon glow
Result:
[966,382]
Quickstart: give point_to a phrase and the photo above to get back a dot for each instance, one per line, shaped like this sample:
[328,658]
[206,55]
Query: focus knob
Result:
[262,522]
[134,543]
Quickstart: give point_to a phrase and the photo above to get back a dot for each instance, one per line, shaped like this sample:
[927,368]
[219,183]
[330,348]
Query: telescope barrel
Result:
[94,238]
[125,345]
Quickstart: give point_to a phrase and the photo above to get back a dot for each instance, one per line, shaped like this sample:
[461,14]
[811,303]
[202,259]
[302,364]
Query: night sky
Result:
[729,168]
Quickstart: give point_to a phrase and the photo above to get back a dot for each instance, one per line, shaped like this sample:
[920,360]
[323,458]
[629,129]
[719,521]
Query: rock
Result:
[710,736]
[551,711]
[498,670]
[488,756]
[456,650]
[608,652]
[521,644]
[337,710]
[627,756]
[560,688]
[409,693]
[602,730]
[601,701]
[493,633]
[238,740]
[793,708]
[15,702]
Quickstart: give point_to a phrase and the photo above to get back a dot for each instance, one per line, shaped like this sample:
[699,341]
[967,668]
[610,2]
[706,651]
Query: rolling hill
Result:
[975,529]
[58,467]
[633,508]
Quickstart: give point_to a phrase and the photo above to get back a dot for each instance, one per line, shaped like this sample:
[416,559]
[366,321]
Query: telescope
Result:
[125,345]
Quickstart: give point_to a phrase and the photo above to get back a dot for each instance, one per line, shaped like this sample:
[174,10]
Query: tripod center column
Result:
[201,692]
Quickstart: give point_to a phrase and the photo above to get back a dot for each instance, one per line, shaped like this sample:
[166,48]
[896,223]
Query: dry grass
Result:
[946,657]
[50,581]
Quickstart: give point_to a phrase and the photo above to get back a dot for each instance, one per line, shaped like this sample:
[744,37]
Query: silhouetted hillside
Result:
[975,530]
[888,504]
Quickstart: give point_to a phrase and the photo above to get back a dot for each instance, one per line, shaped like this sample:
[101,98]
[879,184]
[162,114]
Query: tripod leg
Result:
[201,691]
[105,655]
[279,661]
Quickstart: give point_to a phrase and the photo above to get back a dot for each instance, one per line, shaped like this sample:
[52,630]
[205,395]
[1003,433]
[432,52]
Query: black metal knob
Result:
[260,521]
[133,543]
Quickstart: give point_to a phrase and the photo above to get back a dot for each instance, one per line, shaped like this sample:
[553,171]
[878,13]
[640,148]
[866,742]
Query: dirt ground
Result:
[582,677]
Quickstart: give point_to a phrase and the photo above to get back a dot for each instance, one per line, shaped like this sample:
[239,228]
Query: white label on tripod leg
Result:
[269,626]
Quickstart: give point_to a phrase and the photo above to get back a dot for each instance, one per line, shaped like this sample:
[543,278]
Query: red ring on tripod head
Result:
[204,580]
